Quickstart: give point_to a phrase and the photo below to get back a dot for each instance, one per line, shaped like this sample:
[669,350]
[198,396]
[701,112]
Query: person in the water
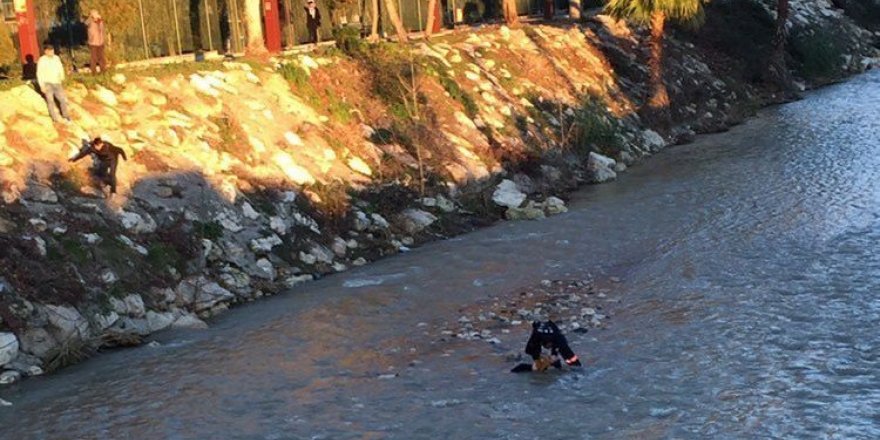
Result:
[547,335]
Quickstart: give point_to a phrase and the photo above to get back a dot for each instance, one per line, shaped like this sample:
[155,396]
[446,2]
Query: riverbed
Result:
[744,300]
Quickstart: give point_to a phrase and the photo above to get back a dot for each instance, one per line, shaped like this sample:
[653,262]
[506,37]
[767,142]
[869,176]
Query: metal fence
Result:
[157,28]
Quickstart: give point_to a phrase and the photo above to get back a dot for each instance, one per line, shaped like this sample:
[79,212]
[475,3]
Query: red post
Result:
[27,29]
[438,17]
[273,25]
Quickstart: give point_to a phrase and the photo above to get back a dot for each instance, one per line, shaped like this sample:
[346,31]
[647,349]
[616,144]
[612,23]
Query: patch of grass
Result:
[295,74]
[162,256]
[593,128]
[208,230]
[456,93]
[340,110]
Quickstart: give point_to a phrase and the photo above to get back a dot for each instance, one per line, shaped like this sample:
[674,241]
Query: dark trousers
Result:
[313,34]
[98,58]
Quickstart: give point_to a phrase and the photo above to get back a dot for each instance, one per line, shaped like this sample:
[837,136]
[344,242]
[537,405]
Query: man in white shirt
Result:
[50,76]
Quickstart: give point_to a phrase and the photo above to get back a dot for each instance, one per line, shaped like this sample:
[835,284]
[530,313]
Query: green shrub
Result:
[818,54]
[594,128]
[348,40]
[294,74]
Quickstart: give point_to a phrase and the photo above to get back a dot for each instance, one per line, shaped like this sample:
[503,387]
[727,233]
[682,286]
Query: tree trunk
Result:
[391,6]
[374,31]
[432,17]
[659,95]
[777,69]
[574,9]
[254,25]
[510,14]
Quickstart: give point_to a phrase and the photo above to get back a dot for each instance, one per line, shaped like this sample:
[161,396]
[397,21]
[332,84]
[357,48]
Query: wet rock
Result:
[653,141]
[361,221]
[529,212]
[278,225]
[9,377]
[159,321]
[38,224]
[297,280]
[601,168]
[265,269]
[106,321]
[189,321]
[266,244]
[416,220]
[508,195]
[67,322]
[554,206]
[379,221]
[131,305]
[38,342]
[8,348]
[249,212]
[340,247]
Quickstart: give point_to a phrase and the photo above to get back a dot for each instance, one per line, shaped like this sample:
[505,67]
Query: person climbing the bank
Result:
[313,21]
[547,335]
[50,76]
[105,158]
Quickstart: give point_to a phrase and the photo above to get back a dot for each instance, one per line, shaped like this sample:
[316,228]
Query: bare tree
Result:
[254,25]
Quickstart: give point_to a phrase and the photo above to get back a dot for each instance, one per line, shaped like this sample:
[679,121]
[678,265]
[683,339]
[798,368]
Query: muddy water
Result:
[748,308]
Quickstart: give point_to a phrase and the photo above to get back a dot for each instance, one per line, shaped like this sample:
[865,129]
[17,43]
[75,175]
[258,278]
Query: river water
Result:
[747,307]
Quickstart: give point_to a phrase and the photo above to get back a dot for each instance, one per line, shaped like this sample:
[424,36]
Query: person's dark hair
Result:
[97,141]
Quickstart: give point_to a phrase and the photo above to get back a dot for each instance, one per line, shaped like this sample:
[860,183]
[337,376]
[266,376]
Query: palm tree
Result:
[254,25]
[655,13]
[778,70]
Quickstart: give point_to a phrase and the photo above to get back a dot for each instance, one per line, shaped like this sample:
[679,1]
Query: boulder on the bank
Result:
[508,195]
[416,220]
[601,168]
[8,348]
[529,212]
[653,141]
[67,321]
[38,342]
[554,206]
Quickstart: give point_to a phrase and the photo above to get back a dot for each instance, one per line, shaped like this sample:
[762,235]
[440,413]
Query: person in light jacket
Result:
[97,38]
[50,77]
[313,20]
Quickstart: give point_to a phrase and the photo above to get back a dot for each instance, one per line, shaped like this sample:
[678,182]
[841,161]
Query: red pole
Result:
[273,25]
[27,29]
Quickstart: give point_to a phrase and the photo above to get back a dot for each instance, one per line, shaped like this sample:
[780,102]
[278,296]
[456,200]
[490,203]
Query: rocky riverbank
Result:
[245,179]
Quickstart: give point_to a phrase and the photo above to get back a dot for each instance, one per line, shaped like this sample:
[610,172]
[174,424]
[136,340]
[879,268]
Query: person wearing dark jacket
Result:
[313,21]
[105,158]
[547,335]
